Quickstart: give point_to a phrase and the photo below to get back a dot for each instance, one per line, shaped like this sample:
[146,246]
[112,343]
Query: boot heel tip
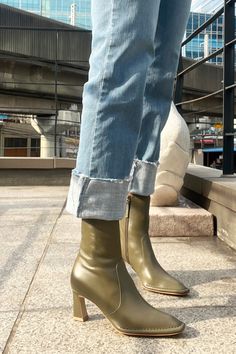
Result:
[81,319]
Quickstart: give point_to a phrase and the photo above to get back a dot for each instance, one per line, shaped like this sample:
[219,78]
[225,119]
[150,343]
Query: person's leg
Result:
[123,38]
[122,50]
[136,245]
[161,74]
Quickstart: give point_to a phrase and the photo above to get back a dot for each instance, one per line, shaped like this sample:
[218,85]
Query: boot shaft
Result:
[138,213]
[96,264]
[100,243]
[135,224]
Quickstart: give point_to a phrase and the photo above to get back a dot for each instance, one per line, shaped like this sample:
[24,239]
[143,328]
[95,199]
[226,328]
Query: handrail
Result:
[203,26]
[229,85]
[201,61]
[206,24]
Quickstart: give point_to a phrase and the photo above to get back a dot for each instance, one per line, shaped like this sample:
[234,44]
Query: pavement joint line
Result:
[22,308]
[200,307]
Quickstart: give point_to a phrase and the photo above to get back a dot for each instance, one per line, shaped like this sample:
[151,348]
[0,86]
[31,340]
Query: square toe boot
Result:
[137,249]
[100,276]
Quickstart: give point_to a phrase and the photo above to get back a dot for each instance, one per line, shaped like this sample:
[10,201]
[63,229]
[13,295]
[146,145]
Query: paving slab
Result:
[7,319]
[44,302]
[206,265]
[18,266]
[27,218]
[67,229]
[19,192]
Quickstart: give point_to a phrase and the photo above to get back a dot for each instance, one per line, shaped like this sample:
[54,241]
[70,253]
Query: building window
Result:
[35,148]
[15,147]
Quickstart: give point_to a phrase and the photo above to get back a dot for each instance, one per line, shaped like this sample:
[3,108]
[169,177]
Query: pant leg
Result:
[122,51]
[172,21]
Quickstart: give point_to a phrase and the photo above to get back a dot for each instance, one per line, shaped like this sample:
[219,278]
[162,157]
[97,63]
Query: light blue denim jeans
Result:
[126,101]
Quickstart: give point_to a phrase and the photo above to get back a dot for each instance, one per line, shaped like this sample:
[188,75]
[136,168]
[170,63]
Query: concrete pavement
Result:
[39,242]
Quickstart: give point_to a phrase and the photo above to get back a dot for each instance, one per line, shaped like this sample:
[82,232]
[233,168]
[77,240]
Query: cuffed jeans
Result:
[126,102]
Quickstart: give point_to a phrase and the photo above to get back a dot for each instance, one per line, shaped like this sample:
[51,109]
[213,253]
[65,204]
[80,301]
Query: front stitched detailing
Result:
[117,274]
[128,206]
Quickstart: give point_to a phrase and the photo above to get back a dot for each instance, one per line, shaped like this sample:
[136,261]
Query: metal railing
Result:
[229,84]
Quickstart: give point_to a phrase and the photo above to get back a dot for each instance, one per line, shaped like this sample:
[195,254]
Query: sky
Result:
[206,5]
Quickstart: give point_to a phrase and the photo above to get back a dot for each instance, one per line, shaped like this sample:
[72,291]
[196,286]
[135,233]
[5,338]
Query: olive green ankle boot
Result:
[99,275]
[137,249]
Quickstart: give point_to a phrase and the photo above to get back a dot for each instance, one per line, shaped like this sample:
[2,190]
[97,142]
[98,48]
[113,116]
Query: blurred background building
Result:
[207,41]
[210,39]
[206,131]
[75,12]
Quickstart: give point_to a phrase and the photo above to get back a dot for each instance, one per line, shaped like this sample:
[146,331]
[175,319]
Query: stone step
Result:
[185,219]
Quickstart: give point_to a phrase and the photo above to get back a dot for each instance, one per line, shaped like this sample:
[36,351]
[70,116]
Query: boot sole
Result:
[163,292]
[150,334]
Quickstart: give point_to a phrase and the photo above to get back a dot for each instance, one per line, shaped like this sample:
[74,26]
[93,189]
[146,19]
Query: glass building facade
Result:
[32,6]
[204,44]
[210,39]
[207,41]
[60,10]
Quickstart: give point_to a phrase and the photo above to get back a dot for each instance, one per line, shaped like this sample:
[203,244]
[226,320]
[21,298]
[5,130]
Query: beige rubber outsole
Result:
[165,292]
[150,334]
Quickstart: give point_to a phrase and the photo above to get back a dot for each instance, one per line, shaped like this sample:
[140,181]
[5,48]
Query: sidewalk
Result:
[39,242]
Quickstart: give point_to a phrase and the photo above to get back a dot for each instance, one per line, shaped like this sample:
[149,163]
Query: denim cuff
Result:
[94,198]
[143,177]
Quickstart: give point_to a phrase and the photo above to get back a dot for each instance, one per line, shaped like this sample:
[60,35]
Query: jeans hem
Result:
[95,198]
[143,177]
